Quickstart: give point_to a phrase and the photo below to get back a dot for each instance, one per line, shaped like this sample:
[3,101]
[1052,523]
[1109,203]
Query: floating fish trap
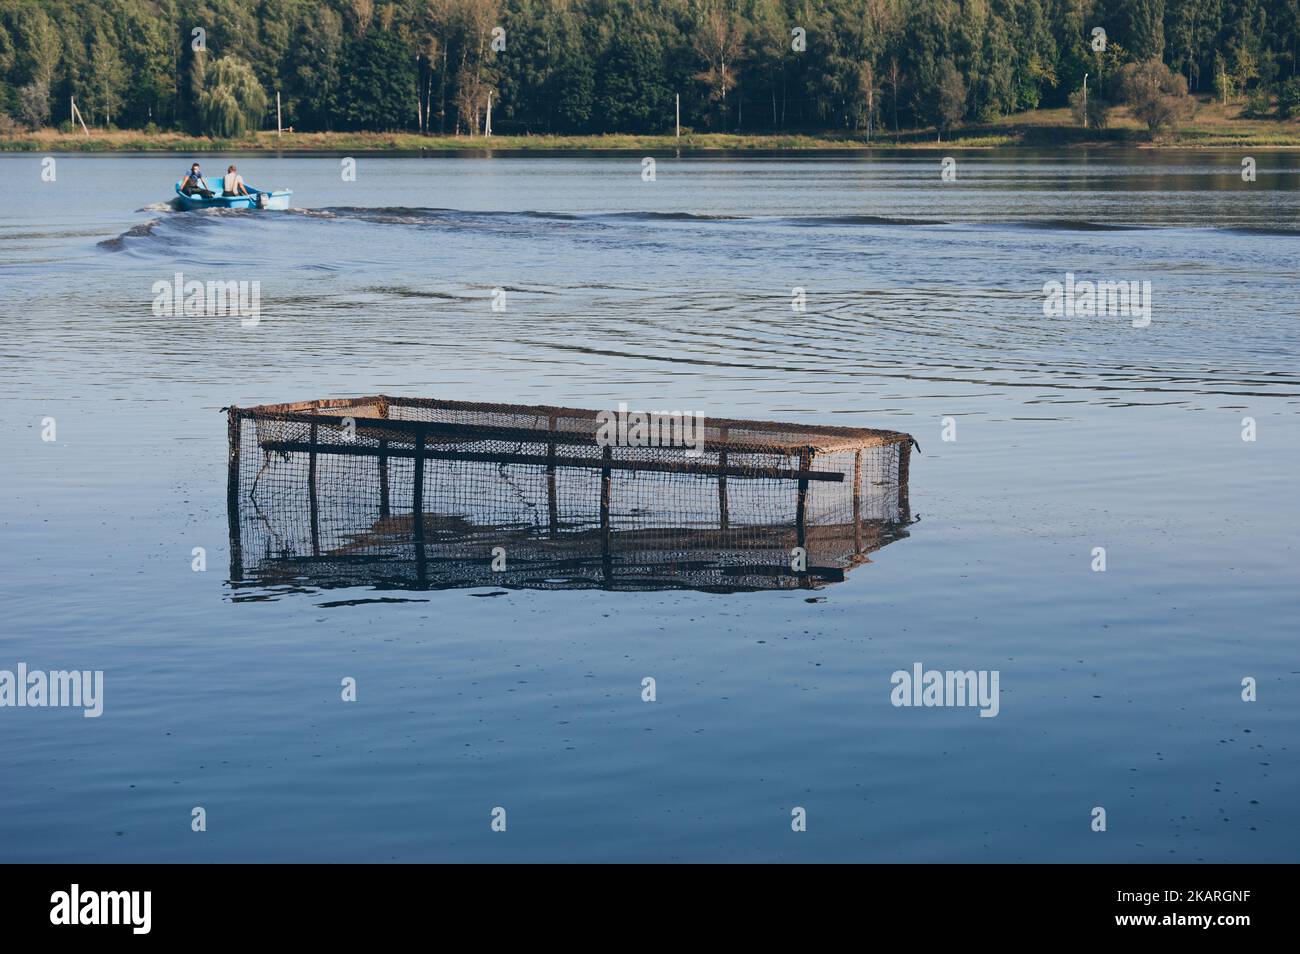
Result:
[416,493]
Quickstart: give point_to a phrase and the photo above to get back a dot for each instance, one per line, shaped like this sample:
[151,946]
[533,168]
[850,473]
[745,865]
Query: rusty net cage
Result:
[406,492]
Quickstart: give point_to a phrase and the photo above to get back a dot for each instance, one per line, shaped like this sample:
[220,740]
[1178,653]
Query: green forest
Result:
[619,66]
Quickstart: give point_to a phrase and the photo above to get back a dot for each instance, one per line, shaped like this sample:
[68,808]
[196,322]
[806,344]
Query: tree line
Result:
[618,66]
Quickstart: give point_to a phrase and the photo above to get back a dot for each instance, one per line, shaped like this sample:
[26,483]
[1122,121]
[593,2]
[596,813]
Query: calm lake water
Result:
[1120,689]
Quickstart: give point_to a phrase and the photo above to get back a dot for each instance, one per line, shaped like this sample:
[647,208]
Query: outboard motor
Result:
[261,200]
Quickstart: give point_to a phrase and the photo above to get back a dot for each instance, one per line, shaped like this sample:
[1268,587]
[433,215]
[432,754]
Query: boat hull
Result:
[271,200]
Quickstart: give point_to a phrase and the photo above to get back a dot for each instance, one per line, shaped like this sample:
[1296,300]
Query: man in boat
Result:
[192,183]
[233,183]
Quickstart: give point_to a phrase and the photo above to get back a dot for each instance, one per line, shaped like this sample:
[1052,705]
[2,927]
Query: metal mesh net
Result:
[387,491]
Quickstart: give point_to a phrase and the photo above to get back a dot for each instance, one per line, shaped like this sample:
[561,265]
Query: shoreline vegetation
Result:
[732,75]
[1213,126]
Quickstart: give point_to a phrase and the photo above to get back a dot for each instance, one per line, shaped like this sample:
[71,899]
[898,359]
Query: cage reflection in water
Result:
[414,493]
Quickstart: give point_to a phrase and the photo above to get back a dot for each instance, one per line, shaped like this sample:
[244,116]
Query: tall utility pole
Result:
[1085,100]
[279,127]
[679,115]
[487,125]
[76,114]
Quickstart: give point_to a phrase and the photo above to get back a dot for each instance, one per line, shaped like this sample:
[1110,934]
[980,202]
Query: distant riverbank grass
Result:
[1213,126]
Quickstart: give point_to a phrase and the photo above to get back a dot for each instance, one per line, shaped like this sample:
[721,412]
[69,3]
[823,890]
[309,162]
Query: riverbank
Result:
[1213,126]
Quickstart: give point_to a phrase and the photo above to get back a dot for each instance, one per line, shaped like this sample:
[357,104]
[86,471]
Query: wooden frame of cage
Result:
[392,435]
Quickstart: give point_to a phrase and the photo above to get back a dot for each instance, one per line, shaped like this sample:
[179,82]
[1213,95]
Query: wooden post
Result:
[278,125]
[801,505]
[606,556]
[904,503]
[421,564]
[605,480]
[679,115]
[232,495]
[417,494]
[724,516]
[383,467]
[311,489]
[552,504]
[383,479]
[857,502]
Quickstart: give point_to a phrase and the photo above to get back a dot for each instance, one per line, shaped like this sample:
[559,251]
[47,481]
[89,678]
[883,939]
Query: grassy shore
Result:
[1213,126]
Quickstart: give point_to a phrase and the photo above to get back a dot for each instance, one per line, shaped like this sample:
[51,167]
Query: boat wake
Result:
[172,228]
[179,225]
[425,216]
[143,230]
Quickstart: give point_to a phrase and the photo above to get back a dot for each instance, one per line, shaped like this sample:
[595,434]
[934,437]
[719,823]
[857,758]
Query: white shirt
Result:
[232,181]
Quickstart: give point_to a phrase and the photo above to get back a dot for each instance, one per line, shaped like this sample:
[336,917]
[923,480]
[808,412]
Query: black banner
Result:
[335,903]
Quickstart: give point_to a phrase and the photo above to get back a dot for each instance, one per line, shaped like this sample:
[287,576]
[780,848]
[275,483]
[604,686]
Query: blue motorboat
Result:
[256,199]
